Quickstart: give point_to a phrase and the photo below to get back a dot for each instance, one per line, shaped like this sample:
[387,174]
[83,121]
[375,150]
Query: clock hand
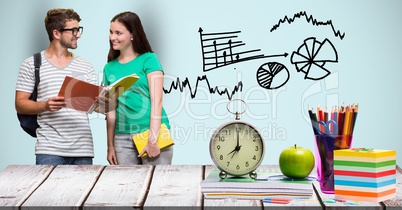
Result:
[235,150]
[238,131]
[238,141]
[234,153]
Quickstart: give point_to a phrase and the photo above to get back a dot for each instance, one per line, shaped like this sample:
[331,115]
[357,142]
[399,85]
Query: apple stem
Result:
[295,146]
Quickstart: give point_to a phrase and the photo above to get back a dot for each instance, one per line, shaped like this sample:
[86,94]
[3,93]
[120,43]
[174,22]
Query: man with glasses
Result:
[64,135]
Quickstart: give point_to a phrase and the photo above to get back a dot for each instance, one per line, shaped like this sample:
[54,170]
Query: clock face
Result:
[237,148]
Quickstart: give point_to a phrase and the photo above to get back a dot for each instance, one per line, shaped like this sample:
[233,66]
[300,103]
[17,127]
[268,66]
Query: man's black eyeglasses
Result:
[74,30]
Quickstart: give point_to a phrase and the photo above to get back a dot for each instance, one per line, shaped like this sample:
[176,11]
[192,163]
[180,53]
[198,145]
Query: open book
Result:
[81,95]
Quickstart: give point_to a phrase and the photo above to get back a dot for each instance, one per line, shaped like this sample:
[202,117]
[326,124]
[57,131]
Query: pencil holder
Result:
[324,158]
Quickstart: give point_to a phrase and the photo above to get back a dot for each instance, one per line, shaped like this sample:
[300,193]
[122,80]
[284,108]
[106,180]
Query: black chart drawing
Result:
[272,75]
[309,19]
[312,56]
[219,49]
[182,84]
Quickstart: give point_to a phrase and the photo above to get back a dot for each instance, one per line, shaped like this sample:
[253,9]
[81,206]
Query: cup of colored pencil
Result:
[332,130]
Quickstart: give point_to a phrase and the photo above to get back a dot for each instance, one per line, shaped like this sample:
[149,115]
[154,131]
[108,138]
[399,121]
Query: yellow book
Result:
[164,139]
[123,84]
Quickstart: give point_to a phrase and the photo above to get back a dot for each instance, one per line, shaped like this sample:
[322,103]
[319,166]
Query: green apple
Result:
[296,162]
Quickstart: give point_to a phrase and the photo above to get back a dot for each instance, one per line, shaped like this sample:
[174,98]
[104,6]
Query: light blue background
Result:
[368,71]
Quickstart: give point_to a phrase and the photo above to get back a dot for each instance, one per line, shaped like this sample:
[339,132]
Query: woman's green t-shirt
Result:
[133,110]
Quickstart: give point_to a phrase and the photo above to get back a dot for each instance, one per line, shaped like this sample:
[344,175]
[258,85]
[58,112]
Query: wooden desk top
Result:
[96,186]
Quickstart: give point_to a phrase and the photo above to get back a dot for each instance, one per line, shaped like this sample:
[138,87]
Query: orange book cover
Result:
[78,94]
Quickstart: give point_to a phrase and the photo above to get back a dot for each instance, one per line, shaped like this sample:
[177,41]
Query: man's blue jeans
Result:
[42,159]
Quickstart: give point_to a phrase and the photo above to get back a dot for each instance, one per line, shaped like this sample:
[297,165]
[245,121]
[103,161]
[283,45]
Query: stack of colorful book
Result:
[266,185]
[365,174]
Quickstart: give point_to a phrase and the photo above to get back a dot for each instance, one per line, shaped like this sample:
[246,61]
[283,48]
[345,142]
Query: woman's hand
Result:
[105,104]
[111,156]
[152,149]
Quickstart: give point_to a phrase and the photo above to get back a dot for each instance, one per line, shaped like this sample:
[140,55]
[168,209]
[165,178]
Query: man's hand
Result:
[55,103]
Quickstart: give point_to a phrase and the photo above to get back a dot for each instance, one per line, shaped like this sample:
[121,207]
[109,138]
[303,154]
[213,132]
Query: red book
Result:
[78,94]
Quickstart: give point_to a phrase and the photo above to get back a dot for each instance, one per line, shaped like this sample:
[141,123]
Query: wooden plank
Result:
[230,202]
[66,187]
[175,186]
[396,203]
[17,182]
[120,187]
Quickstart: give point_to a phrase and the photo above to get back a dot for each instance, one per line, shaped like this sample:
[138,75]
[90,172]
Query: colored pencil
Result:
[346,124]
[355,110]
[344,116]
[341,121]
[313,119]
[336,116]
[320,118]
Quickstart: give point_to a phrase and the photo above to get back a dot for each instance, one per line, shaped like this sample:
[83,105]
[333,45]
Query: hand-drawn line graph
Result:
[312,56]
[182,84]
[218,50]
[308,19]
[272,75]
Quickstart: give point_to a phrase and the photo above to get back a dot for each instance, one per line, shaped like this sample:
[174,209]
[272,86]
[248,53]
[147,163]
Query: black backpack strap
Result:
[37,64]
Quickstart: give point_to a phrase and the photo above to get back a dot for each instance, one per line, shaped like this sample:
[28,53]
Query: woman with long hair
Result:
[140,108]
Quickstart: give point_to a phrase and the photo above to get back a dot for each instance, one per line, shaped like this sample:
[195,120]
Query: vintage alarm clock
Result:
[237,148]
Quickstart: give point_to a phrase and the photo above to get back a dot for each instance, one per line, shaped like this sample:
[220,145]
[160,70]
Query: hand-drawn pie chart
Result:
[312,56]
[272,75]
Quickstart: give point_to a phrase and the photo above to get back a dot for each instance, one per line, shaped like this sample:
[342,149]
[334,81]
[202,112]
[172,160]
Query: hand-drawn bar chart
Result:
[220,49]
